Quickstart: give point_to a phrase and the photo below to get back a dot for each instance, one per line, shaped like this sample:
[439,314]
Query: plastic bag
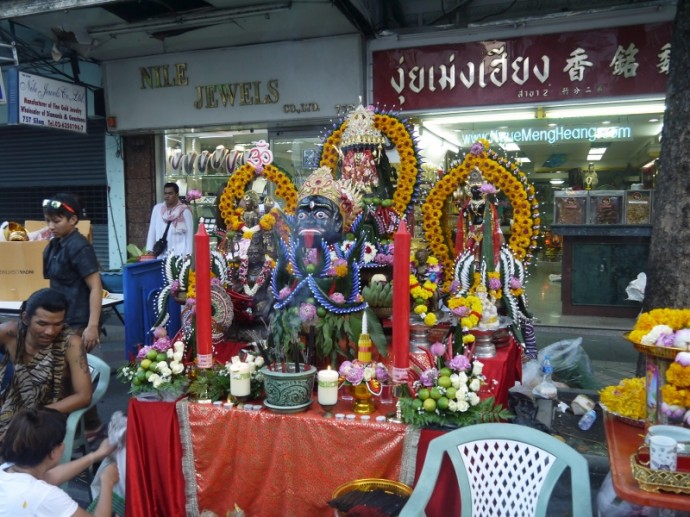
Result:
[117,433]
[531,373]
[571,364]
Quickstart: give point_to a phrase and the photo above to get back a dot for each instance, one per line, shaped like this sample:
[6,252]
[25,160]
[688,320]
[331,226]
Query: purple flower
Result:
[665,340]
[338,297]
[143,351]
[460,363]
[487,188]
[461,311]
[175,286]
[355,375]
[307,312]
[382,373]
[438,349]
[428,378]
[514,283]
[311,257]
[162,344]
[454,286]
[284,293]
[494,284]
[216,282]
[476,149]
[344,368]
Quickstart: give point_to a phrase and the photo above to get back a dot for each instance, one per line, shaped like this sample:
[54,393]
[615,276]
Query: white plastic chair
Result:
[503,469]
[75,438]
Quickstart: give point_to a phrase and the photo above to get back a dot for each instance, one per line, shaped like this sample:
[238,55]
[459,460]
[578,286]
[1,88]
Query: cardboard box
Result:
[21,264]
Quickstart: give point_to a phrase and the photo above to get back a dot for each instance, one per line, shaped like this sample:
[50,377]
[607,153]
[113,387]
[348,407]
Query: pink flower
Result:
[338,297]
[476,149]
[460,363]
[344,368]
[193,195]
[487,188]
[494,284]
[160,332]
[162,344]
[143,351]
[438,349]
[461,311]
[307,312]
[284,293]
[514,283]
[665,340]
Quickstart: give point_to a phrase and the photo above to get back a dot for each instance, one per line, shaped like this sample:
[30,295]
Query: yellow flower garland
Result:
[410,169]
[675,318]
[628,398]
[237,184]
[505,176]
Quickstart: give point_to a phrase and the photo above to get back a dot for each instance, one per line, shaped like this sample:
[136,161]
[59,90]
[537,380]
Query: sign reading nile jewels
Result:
[614,62]
[40,101]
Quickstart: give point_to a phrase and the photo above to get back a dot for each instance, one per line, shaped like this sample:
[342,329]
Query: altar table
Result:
[276,464]
[623,440]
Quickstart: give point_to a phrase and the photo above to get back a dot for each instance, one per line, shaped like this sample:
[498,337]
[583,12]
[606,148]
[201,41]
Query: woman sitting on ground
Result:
[32,448]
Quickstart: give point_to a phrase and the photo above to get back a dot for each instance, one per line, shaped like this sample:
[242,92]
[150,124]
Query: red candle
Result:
[401,303]
[202,268]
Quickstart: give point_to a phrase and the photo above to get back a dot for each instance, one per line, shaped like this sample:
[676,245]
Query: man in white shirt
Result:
[177,217]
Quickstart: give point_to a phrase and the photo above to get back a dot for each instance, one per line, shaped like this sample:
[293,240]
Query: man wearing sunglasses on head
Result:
[70,263]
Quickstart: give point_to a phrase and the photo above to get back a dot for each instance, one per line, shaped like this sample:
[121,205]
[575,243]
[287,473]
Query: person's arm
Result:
[8,334]
[91,334]
[191,230]
[109,478]
[151,237]
[66,471]
[75,357]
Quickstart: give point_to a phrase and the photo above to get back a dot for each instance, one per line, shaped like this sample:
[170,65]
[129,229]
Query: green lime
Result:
[442,403]
[148,374]
[445,372]
[321,312]
[429,405]
[141,376]
[375,201]
[417,404]
[310,268]
[387,202]
[435,393]
[146,364]
[161,357]
[136,381]
[350,236]
[423,394]
[444,382]
[152,354]
[451,392]
[419,301]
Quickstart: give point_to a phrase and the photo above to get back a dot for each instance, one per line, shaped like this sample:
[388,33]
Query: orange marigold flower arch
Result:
[238,183]
[505,176]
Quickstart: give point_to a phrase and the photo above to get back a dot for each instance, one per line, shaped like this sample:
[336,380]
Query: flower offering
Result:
[628,398]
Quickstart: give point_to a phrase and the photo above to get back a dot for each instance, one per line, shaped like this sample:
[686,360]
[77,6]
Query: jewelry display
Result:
[218,157]
[188,162]
[202,162]
[175,160]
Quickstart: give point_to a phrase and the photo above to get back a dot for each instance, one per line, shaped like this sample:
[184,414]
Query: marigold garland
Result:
[628,398]
[237,184]
[410,170]
[505,176]
[677,319]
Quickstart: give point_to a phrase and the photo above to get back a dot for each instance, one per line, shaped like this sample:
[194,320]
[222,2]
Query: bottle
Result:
[587,420]
[546,389]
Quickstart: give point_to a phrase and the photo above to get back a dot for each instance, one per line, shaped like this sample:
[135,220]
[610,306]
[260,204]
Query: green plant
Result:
[134,252]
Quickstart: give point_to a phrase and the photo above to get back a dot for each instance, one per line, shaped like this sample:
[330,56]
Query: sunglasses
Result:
[54,203]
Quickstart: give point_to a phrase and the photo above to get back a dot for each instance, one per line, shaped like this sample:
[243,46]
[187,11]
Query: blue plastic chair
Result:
[503,469]
[75,438]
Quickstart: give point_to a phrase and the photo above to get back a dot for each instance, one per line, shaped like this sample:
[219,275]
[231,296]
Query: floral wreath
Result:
[264,274]
[237,184]
[400,135]
[505,176]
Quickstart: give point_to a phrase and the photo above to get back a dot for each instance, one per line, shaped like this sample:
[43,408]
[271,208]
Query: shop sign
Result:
[40,101]
[551,135]
[584,65]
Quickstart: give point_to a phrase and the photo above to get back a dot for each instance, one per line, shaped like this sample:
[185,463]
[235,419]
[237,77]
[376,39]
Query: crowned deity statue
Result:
[486,266]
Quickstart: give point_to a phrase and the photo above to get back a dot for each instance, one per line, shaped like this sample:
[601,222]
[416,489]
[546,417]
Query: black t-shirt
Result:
[66,262]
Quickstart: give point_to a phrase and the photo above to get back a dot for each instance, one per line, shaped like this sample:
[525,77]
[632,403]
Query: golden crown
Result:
[342,193]
[361,129]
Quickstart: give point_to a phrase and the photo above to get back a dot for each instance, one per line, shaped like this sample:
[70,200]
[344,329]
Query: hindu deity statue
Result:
[486,266]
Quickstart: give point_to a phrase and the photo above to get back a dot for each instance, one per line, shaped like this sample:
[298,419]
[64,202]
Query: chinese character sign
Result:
[613,62]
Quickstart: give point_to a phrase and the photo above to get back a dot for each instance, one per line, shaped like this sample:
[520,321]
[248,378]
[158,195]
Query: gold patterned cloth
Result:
[282,464]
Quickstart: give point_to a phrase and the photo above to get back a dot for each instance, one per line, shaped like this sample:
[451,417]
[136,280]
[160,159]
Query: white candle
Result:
[365,329]
[239,380]
[328,387]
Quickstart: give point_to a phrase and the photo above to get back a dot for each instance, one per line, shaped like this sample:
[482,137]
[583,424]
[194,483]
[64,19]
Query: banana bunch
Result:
[378,294]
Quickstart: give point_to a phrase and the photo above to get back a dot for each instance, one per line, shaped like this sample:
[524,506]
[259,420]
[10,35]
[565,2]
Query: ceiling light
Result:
[606,109]
[598,150]
[605,122]
[511,147]
[654,120]
[523,159]
[190,20]
[556,181]
[594,157]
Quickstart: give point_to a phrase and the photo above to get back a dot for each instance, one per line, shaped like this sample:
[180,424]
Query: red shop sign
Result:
[584,65]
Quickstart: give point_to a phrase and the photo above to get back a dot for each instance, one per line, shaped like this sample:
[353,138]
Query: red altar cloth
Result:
[154,482]
[261,459]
